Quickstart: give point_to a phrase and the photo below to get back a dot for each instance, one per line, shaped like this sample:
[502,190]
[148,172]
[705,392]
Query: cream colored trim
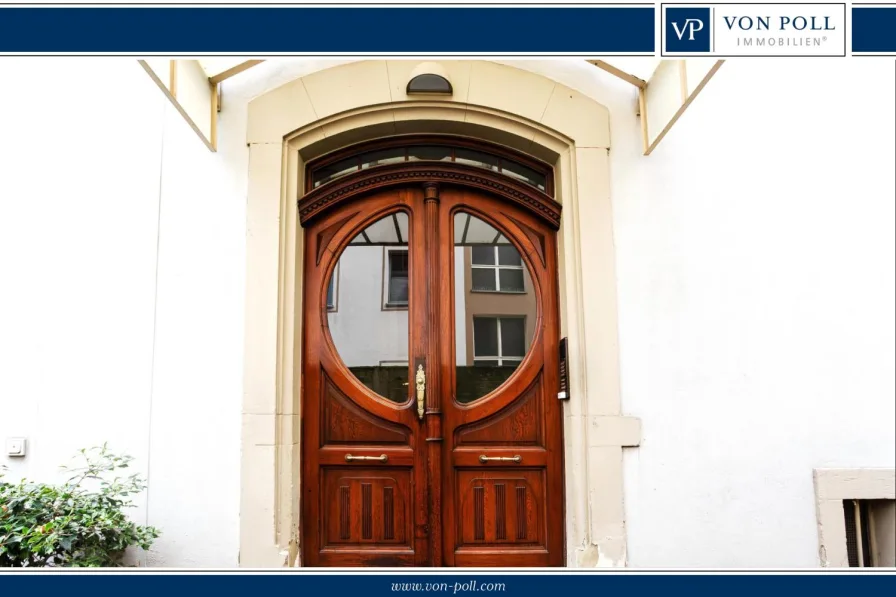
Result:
[642,112]
[315,114]
[628,78]
[213,131]
[683,77]
[684,104]
[832,487]
[172,78]
[234,70]
[190,93]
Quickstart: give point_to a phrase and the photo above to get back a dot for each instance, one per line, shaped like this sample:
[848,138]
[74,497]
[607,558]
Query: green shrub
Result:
[79,523]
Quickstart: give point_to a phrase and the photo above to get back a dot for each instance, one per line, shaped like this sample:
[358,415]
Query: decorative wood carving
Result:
[366,511]
[521,512]
[324,236]
[486,510]
[536,237]
[388,513]
[326,197]
[500,512]
[345,509]
[343,422]
[366,506]
[479,513]
[517,424]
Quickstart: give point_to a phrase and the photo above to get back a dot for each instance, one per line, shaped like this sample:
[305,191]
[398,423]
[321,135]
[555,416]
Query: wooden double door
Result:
[431,430]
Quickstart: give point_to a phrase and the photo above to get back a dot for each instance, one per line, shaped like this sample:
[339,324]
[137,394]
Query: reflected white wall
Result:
[460,311]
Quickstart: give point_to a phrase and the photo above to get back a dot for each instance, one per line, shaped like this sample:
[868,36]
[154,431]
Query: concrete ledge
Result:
[614,431]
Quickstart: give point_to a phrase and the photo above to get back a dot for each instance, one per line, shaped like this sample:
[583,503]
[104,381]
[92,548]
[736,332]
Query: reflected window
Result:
[524,174]
[397,280]
[497,269]
[381,158]
[333,171]
[498,341]
[428,152]
[494,315]
[476,158]
[372,274]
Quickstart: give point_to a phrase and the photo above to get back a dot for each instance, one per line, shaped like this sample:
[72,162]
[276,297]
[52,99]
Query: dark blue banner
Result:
[874,29]
[385,30]
[825,584]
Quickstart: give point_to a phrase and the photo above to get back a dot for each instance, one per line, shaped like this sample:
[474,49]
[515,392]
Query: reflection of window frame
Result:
[389,305]
[500,358]
[334,284]
[498,267]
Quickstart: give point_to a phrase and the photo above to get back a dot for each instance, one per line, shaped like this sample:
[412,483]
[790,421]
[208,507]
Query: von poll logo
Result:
[688,29]
[754,30]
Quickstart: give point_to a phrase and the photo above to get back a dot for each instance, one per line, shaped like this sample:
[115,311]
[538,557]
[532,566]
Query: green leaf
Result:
[79,523]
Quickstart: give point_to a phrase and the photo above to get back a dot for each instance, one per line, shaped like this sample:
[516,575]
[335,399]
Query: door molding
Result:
[311,116]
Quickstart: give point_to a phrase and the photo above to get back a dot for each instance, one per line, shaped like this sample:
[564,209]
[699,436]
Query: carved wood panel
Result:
[521,423]
[345,423]
[366,507]
[500,509]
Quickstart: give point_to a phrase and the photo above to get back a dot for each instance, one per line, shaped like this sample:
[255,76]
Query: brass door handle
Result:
[485,458]
[420,382]
[380,458]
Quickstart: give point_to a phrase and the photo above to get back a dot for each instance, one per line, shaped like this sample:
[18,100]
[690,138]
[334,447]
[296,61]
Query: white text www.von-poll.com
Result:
[470,586]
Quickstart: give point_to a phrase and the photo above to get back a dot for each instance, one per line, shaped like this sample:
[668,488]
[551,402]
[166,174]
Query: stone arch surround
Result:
[366,100]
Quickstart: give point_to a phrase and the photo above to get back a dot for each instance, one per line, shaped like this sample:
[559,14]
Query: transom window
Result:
[499,341]
[516,166]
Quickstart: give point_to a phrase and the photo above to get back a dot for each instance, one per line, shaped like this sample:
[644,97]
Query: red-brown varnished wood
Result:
[360,513]
[504,513]
[433,502]
[434,396]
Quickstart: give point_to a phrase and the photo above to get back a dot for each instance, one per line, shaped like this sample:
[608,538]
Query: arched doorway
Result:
[431,433]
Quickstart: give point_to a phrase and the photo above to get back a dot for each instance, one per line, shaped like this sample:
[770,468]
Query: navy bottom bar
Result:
[144,584]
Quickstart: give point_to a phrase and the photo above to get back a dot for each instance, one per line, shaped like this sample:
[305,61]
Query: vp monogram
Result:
[691,26]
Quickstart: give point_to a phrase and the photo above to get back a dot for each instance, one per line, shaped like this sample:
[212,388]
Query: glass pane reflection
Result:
[494,307]
[368,317]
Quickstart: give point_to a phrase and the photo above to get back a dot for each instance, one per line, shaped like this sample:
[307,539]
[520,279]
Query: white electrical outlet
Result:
[15,446]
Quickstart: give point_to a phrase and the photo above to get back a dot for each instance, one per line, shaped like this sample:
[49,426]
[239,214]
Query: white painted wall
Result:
[100,182]
[756,294]
[756,298]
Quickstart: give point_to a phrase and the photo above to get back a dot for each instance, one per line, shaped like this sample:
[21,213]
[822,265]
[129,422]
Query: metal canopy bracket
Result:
[194,91]
[669,91]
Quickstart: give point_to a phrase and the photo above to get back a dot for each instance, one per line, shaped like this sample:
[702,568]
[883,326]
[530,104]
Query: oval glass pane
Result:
[495,307]
[367,304]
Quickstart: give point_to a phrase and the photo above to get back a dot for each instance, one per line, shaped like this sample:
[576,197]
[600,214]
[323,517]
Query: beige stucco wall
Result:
[832,487]
[365,100]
